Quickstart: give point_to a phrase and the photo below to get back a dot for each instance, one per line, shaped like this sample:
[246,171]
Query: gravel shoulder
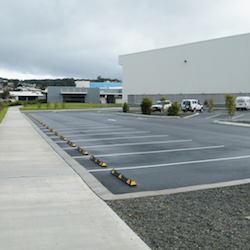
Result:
[205,219]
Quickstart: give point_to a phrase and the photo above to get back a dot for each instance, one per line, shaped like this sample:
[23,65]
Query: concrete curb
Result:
[190,116]
[231,123]
[63,110]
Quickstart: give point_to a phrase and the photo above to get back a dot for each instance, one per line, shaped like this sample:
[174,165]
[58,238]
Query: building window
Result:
[74,98]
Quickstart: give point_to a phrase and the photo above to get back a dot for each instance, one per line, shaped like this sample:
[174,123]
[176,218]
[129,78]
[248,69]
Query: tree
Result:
[229,105]
[5,94]
[210,105]
[162,99]
[146,106]
[15,83]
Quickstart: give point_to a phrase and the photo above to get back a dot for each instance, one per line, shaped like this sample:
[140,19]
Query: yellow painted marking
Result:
[133,183]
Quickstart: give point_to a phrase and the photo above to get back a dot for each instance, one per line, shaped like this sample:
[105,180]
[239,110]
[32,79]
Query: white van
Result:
[242,102]
[191,105]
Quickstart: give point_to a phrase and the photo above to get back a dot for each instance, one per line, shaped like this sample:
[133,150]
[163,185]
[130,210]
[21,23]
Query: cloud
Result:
[83,39]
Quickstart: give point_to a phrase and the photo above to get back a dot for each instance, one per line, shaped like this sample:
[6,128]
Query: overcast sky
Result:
[83,38]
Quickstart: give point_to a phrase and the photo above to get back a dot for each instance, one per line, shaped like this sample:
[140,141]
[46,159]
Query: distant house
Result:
[26,95]
[8,88]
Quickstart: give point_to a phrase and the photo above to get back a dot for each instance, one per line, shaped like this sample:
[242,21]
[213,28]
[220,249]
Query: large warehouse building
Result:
[202,70]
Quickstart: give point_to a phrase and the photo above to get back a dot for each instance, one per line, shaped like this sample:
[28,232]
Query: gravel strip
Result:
[205,219]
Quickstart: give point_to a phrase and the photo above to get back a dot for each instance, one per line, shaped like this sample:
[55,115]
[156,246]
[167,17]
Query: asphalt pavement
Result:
[162,155]
[44,202]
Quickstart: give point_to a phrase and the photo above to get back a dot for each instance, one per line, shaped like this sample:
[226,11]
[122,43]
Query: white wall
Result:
[215,66]
[82,84]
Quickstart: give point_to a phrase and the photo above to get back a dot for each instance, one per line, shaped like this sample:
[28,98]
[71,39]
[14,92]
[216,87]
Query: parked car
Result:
[158,105]
[192,105]
[242,102]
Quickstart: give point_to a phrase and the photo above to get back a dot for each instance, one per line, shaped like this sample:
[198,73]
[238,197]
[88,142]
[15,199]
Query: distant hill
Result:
[44,83]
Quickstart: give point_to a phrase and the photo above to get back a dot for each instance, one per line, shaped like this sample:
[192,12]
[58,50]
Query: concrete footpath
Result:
[44,204]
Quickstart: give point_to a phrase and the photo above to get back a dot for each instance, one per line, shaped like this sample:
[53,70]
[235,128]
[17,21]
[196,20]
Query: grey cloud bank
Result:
[83,39]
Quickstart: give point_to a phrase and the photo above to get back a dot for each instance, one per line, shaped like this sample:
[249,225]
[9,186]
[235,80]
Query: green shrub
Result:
[125,107]
[55,105]
[17,103]
[39,105]
[173,110]
[33,102]
[146,106]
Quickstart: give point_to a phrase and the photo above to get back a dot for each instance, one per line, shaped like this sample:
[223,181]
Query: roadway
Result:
[157,153]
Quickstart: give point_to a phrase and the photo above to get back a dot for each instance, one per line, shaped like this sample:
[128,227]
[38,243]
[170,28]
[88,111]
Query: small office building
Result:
[90,94]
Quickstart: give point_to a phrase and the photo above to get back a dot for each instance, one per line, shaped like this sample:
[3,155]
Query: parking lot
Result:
[157,153]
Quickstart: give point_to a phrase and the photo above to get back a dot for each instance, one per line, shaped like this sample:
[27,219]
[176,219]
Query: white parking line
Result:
[134,143]
[120,138]
[155,152]
[129,132]
[90,128]
[238,116]
[190,116]
[213,116]
[177,163]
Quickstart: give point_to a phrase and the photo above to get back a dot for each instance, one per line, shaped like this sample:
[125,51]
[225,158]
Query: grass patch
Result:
[44,106]
[3,113]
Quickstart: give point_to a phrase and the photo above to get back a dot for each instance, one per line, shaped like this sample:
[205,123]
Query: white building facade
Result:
[208,69]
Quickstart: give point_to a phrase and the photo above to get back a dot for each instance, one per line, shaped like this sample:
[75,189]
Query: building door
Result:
[110,99]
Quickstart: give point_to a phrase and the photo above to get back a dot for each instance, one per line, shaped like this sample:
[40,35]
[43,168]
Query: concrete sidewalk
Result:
[44,204]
